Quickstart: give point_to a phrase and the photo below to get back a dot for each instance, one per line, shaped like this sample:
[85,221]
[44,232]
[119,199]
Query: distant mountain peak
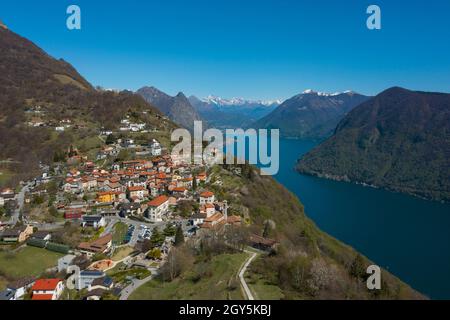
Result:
[326,94]
[238,101]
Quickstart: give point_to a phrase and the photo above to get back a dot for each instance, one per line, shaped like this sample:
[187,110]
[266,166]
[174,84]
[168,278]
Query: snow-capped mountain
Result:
[239,101]
[326,94]
[232,113]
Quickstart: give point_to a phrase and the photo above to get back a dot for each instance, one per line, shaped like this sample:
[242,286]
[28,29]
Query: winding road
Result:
[244,284]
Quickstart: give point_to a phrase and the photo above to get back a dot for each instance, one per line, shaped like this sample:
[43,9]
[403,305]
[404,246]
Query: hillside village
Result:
[116,220]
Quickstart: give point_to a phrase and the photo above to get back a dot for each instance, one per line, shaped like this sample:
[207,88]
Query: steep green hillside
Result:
[399,140]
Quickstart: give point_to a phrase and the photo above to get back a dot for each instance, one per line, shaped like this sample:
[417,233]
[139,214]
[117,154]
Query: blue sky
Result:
[254,49]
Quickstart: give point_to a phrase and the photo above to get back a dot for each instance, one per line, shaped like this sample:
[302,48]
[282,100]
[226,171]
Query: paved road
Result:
[247,291]
[20,198]
[135,284]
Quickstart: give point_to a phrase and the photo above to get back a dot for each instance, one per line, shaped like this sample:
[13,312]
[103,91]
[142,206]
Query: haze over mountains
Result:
[398,140]
[224,113]
[177,108]
[310,114]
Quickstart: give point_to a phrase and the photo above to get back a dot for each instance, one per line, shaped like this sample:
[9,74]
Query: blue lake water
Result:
[409,237]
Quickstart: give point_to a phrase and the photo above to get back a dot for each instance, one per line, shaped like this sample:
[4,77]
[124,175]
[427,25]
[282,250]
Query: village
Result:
[117,223]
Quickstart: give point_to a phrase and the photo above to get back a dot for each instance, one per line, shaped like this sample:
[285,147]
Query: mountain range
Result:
[310,114]
[398,140]
[232,113]
[177,108]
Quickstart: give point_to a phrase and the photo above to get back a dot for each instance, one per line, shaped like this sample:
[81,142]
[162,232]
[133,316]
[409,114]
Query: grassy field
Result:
[27,261]
[218,282]
[120,230]
[138,273]
[121,253]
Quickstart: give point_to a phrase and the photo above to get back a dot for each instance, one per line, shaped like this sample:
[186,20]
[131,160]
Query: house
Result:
[157,208]
[138,192]
[42,235]
[101,245]
[7,295]
[75,210]
[65,262]
[47,289]
[179,191]
[207,197]
[155,148]
[2,201]
[87,277]
[94,295]
[104,283]
[262,243]
[127,209]
[197,218]
[20,287]
[19,234]
[213,221]
[95,222]
[208,209]
[110,196]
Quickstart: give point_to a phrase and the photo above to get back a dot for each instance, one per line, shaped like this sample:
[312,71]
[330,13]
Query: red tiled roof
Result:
[206,194]
[45,284]
[158,201]
[138,188]
[42,297]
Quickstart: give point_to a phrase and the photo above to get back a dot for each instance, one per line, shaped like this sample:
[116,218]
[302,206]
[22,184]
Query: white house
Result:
[157,208]
[155,148]
[207,197]
[47,289]
[20,287]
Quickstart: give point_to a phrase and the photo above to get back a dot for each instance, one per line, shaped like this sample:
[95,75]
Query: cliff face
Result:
[399,140]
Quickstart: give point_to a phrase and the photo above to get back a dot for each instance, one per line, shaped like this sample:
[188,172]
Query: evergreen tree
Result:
[157,238]
[179,237]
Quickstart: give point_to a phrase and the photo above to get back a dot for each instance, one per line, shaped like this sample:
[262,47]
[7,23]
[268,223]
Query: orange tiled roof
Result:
[206,194]
[42,297]
[138,188]
[45,284]
[158,201]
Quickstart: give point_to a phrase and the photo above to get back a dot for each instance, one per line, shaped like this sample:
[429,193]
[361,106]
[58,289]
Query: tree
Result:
[357,268]
[109,139]
[155,254]
[157,239]
[169,230]
[179,237]
[194,183]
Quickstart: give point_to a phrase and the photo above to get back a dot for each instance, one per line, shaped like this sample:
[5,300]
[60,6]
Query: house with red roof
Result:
[157,208]
[47,289]
[207,197]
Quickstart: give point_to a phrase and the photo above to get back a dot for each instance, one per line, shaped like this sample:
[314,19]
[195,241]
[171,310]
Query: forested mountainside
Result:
[399,140]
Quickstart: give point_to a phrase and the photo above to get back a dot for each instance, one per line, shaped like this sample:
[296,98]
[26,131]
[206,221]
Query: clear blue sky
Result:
[254,49]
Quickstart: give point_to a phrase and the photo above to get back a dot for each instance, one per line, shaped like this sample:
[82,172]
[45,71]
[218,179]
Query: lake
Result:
[409,237]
